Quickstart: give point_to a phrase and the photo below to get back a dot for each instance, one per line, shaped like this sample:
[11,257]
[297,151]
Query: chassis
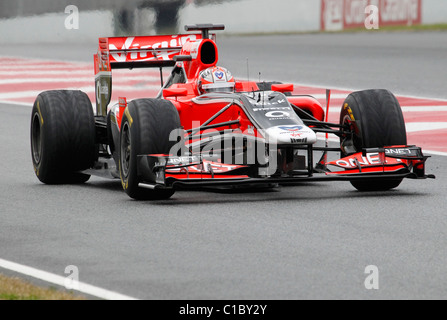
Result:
[261,134]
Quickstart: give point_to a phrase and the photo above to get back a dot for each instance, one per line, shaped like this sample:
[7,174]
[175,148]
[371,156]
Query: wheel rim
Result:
[356,142]
[125,149]
[36,139]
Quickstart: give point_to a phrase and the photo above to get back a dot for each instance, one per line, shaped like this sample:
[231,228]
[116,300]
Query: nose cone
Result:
[291,134]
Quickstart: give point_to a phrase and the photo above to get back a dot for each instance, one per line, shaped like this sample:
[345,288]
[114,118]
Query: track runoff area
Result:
[21,80]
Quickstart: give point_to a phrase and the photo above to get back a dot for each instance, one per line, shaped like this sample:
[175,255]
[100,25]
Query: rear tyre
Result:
[145,129]
[62,137]
[376,120]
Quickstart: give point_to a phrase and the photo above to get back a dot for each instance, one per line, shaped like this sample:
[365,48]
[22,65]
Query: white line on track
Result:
[333,96]
[421,108]
[28,73]
[15,103]
[71,72]
[60,281]
[397,94]
[336,109]
[435,153]
[425,126]
[79,79]
[424,108]
[66,66]
[332,138]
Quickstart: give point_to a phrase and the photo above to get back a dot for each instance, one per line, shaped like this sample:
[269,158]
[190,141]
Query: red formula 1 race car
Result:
[207,129]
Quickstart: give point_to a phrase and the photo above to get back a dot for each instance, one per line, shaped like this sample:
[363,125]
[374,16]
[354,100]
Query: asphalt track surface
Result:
[307,241]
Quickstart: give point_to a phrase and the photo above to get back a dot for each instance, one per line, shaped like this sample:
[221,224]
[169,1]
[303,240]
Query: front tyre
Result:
[375,119]
[145,129]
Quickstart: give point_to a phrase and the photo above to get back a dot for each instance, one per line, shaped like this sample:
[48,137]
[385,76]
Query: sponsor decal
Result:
[296,140]
[122,102]
[268,109]
[332,14]
[401,152]
[350,163]
[398,151]
[251,130]
[182,160]
[219,75]
[195,49]
[104,88]
[277,115]
[345,14]
[267,103]
[292,131]
[206,167]
[101,64]
[295,134]
[146,53]
[206,73]
[292,128]
[371,159]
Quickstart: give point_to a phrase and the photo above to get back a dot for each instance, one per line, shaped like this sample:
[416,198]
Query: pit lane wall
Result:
[240,17]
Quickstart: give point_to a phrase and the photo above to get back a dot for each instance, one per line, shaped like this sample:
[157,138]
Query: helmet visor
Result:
[219,87]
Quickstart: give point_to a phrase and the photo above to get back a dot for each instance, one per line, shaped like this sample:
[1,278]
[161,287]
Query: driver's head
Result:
[215,79]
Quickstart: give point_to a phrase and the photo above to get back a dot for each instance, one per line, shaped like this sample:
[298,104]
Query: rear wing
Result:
[140,52]
[132,52]
[143,52]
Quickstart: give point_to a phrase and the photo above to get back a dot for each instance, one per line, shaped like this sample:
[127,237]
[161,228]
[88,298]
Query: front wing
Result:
[396,162]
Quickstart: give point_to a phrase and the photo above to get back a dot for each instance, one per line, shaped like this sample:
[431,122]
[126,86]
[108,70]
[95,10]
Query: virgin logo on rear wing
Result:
[150,48]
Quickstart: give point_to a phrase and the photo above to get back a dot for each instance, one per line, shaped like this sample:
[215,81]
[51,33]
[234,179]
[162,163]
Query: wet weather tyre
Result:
[145,129]
[62,136]
[376,120]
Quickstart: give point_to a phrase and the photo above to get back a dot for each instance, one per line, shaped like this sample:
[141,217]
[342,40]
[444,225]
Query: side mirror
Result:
[175,92]
[286,87]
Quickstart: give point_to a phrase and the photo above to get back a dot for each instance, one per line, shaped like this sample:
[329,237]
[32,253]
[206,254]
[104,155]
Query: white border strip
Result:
[143,78]
[60,281]
[89,89]
[15,103]
[397,94]
[439,108]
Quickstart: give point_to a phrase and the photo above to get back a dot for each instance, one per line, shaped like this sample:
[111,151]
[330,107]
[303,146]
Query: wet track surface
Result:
[307,241]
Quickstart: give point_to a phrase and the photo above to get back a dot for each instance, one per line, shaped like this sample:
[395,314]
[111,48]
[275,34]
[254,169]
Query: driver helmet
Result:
[215,79]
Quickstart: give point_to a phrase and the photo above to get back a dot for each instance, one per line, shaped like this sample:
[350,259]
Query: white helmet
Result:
[215,79]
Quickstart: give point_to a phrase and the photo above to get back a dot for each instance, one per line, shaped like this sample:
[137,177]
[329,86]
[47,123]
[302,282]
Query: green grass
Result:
[14,288]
